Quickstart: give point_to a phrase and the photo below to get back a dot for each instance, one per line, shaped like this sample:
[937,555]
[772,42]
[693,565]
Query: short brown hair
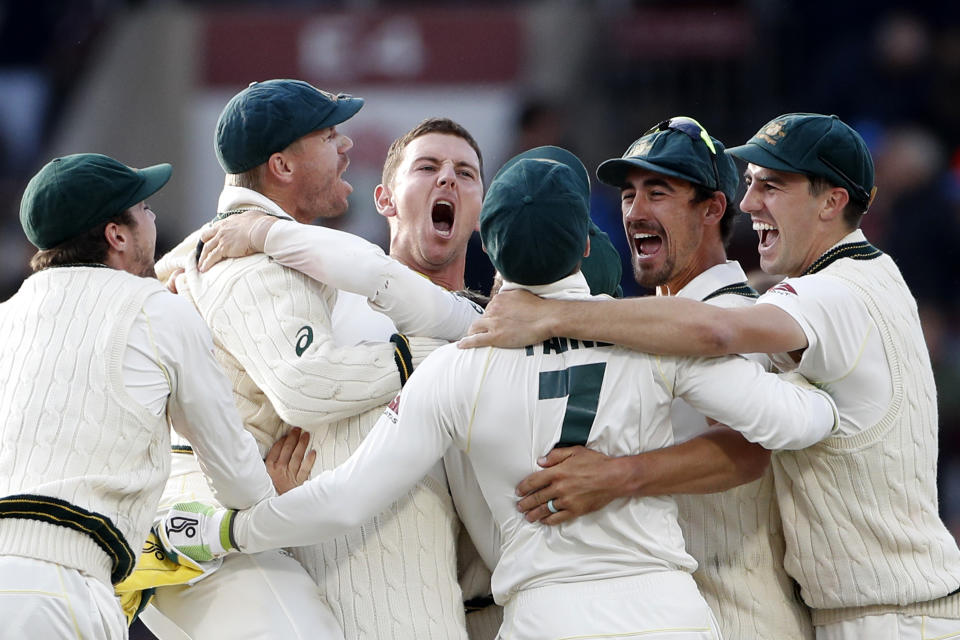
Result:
[250,179]
[852,213]
[430,125]
[89,247]
[702,194]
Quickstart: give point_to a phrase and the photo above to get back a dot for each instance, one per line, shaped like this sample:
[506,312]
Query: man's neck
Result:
[707,260]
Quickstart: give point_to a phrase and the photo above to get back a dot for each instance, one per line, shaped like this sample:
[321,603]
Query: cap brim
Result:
[755,154]
[555,154]
[345,109]
[614,171]
[153,180]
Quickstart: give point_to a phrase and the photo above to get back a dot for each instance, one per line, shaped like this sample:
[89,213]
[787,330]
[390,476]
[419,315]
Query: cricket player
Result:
[99,360]
[394,576]
[621,571]
[863,536]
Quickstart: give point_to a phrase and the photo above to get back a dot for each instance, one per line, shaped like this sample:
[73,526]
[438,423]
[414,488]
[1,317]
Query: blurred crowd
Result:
[893,73]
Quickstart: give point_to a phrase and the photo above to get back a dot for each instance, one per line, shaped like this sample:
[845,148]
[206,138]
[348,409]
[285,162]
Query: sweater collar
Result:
[573,287]
[233,198]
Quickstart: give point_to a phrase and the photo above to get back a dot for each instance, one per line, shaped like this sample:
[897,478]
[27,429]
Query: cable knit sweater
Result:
[860,512]
[395,578]
[69,431]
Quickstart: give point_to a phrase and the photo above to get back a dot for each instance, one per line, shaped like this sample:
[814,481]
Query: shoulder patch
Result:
[392,410]
[783,288]
[304,339]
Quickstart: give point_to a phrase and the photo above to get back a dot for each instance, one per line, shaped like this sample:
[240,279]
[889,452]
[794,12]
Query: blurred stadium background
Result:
[144,81]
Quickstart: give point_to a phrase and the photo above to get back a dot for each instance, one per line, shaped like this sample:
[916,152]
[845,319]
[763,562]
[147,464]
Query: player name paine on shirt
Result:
[551,345]
[561,345]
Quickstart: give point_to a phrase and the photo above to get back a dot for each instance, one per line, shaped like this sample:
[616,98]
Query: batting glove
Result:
[198,531]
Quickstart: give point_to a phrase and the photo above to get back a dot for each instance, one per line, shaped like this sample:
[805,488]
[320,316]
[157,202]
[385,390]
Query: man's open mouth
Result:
[647,244]
[442,217]
[768,233]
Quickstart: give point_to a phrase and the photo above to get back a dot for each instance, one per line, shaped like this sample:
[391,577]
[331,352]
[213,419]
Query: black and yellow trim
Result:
[61,513]
[402,356]
[855,250]
[181,448]
[740,289]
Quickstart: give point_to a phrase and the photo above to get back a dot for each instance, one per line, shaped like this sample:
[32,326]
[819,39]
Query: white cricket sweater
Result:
[736,535]
[69,431]
[395,577]
[860,512]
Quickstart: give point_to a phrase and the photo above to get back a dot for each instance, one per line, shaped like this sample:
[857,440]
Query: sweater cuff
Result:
[402,356]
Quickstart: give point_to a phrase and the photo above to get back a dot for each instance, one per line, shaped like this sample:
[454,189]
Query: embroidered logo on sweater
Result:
[783,287]
[304,339]
[392,411]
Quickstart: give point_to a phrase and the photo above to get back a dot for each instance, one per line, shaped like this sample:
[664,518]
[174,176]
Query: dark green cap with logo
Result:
[267,117]
[674,153]
[73,194]
[534,221]
[814,145]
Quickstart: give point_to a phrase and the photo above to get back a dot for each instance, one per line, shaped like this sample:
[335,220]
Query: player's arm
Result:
[581,480]
[777,411]
[395,455]
[663,325]
[201,406]
[346,262]
[177,258]
[276,323]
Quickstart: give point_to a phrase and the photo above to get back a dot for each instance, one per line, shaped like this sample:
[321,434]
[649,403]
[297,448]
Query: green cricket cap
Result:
[672,152]
[556,154]
[268,116]
[814,145]
[534,221]
[75,193]
[602,268]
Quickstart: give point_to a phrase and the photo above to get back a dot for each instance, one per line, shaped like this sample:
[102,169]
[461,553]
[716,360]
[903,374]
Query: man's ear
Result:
[586,251]
[718,206]
[383,200]
[117,236]
[834,204]
[280,167]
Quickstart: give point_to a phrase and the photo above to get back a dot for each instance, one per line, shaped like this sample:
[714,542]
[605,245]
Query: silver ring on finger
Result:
[550,506]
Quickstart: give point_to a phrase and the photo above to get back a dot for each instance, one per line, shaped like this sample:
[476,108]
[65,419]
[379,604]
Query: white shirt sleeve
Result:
[845,354]
[350,263]
[200,405]
[829,314]
[768,409]
[399,451]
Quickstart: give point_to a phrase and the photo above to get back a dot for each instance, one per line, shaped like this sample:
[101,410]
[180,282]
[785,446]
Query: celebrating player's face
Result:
[664,228]
[319,160]
[784,215]
[144,239]
[434,201]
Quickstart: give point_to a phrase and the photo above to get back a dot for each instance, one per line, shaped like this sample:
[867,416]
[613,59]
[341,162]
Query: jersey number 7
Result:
[581,384]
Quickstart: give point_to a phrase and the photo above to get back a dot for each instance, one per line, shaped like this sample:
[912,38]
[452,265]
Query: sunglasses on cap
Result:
[695,131]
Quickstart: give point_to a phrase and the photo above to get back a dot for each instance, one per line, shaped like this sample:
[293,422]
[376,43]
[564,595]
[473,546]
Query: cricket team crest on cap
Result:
[773,132]
[640,148]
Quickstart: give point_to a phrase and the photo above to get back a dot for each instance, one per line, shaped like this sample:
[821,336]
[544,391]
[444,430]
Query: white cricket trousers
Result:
[40,599]
[891,626]
[664,605]
[260,596]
